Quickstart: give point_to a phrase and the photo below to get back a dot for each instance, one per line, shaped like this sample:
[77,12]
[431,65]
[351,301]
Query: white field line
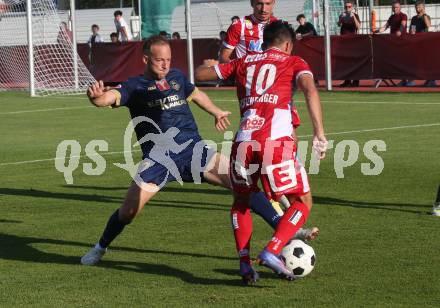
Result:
[229,100]
[349,102]
[376,129]
[44,110]
[303,136]
[63,158]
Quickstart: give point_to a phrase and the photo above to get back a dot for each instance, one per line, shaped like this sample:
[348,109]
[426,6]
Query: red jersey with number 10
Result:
[264,89]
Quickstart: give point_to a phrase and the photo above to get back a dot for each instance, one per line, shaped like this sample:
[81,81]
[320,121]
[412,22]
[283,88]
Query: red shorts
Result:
[272,161]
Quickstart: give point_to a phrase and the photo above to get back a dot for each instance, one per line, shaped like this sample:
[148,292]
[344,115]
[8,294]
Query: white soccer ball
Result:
[299,258]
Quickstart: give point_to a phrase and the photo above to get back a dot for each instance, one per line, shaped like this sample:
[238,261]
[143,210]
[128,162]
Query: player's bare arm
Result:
[100,96]
[307,85]
[225,54]
[204,102]
[206,72]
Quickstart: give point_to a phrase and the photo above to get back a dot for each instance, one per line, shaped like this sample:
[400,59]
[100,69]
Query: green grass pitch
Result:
[378,245]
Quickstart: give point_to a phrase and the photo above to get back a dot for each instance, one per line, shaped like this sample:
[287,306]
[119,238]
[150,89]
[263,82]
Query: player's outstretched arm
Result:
[225,55]
[204,102]
[99,95]
[307,85]
[206,71]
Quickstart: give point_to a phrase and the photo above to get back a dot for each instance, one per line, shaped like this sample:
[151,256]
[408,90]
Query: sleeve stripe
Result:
[219,74]
[190,97]
[301,73]
[228,46]
[118,98]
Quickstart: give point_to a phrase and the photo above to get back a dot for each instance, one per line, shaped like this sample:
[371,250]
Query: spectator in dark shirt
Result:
[95,37]
[305,28]
[350,23]
[397,21]
[421,23]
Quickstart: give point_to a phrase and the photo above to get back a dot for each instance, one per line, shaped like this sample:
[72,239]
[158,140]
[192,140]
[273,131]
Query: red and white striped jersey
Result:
[264,90]
[246,35]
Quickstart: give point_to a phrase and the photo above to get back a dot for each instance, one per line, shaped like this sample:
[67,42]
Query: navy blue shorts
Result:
[186,166]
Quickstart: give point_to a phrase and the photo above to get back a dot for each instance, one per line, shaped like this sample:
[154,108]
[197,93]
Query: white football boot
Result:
[93,256]
[436,209]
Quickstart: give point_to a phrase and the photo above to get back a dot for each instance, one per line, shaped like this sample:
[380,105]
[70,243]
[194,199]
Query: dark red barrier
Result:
[116,62]
[407,57]
[353,57]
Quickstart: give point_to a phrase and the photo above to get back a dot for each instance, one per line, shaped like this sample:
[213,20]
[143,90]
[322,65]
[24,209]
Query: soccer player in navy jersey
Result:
[158,102]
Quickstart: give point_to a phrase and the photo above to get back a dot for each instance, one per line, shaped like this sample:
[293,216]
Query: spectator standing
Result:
[222,35]
[95,37]
[114,37]
[164,34]
[235,19]
[350,23]
[421,23]
[305,28]
[397,21]
[176,36]
[122,28]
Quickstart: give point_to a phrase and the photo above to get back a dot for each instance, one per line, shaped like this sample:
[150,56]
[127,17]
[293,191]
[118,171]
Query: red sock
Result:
[242,226]
[289,224]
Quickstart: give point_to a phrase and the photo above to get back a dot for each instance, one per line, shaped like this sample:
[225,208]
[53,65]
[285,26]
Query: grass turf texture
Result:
[378,245]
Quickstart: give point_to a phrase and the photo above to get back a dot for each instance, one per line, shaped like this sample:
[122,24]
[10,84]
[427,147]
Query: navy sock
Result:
[113,228]
[261,206]
[438,195]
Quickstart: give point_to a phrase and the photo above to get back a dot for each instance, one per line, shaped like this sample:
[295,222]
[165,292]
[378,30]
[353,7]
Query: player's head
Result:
[95,28]
[301,19]
[420,6]
[263,9]
[157,57]
[396,7]
[117,14]
[279,34]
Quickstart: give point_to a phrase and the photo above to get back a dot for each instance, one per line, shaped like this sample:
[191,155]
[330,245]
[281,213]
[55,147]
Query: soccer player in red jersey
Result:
[263,146]
[246,34]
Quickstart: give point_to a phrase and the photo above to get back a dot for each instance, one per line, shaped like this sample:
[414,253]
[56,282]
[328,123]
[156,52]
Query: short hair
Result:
[396,2]
[234,17]
[300,16]
[278,32]
[113,34]
[419,2]
[117,13]
[95,26]
[223,32]
[176,34]
[154,40]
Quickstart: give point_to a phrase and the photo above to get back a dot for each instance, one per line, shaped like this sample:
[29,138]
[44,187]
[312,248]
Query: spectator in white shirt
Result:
[95,37]
[122,29]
